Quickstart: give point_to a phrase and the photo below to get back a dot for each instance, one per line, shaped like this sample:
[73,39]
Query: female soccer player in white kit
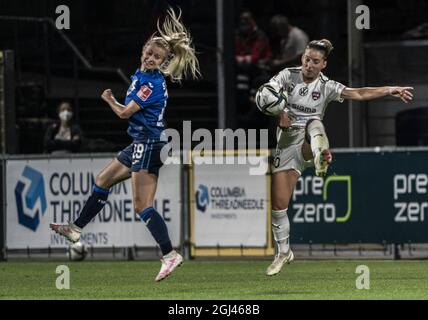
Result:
[301,137]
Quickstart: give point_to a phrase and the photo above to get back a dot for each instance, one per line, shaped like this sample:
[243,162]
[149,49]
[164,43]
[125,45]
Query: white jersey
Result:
[307,101]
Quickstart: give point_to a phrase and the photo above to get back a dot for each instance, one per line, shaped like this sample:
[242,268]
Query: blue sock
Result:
[157,228]
[95,203]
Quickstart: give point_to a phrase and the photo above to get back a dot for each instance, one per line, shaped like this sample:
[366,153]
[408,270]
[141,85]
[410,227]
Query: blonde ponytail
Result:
[181,61]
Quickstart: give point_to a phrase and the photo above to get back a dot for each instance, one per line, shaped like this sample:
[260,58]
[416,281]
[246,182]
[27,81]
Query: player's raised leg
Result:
[283,183]
[113,173]
[319,145]
[144,188]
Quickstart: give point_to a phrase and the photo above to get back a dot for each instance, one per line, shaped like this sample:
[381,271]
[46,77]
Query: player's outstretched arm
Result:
[118,108]
[404,93]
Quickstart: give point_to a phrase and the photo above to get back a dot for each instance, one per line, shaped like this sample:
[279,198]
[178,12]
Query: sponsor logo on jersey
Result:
[144,92]
[316,95]
[303,91]
[302,108]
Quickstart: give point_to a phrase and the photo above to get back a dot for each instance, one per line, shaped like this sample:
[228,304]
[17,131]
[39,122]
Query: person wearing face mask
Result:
[63,136]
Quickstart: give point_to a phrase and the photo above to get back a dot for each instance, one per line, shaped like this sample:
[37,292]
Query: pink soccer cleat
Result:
[169,262]
[70,231]
[322,160]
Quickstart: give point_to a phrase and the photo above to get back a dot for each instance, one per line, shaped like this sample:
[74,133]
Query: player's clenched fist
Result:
[108,96]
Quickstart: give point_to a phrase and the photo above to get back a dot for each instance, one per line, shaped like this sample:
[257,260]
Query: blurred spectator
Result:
[252,49]
[63,136]
[292,44]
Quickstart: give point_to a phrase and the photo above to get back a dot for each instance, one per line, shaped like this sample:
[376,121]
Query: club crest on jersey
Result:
[303,91]
[144,93]
[316,95]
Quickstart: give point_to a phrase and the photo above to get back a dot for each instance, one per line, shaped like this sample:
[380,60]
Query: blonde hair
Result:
[181,61]
[323,45]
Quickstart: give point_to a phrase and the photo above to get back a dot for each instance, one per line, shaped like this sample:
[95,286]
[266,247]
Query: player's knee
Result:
[279,201]
[101,180]
[279,205]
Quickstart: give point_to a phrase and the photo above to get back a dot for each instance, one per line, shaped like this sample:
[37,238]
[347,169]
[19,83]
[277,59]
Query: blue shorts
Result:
[142,156]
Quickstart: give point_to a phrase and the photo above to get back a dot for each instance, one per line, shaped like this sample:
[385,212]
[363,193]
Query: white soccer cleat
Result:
[279,261]
[169,262]
[70,231]
[322,161]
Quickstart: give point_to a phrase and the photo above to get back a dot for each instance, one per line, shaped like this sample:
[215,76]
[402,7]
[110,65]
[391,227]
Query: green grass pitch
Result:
[215,280]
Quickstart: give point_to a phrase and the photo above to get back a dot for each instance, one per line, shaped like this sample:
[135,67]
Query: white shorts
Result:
[288,154]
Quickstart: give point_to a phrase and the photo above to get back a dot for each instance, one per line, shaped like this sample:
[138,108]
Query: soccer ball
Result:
[271,99]
[77,251]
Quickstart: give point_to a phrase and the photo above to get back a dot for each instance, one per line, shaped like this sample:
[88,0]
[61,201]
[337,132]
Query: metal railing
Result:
[76,54]
[70,44]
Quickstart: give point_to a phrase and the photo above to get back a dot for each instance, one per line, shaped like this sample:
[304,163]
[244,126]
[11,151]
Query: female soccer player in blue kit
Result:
[168,54]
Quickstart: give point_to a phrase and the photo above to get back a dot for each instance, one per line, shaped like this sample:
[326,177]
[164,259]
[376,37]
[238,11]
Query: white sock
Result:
[281,230]
[319,140]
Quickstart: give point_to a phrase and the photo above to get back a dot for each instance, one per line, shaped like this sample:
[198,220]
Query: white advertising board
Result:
[230,207]
[39,192]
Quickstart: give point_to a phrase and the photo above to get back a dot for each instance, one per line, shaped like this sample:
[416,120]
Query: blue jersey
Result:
[148,90]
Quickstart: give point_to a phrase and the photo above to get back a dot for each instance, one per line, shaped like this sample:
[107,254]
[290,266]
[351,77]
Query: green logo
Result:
[347,180]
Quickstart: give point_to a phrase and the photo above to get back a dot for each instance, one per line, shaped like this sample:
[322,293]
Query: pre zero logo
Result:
[326,201]
[34,193]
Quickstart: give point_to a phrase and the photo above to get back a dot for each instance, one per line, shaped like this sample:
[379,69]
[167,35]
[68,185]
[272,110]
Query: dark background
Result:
[112,33]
